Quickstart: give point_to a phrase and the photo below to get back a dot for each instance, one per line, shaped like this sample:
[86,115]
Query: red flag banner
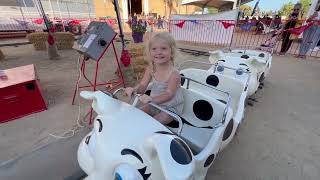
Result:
[226,25]
[298,30]
[38,21]
[180,24]
[75,22]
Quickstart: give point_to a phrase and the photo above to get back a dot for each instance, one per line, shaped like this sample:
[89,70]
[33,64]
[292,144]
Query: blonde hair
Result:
[166,37]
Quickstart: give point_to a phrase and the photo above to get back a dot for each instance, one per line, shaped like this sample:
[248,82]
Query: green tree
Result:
[212,10]
[286,9]
[305,6]
[246,9]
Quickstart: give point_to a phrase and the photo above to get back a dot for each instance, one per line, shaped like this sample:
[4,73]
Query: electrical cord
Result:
[68,134]
[78,126]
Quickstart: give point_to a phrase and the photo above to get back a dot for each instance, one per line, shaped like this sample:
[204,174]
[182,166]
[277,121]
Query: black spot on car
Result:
[209,160]
[262,77]
[261,55]
[212,80]
[180,152]
[228,130]
[245,56]
[203,110]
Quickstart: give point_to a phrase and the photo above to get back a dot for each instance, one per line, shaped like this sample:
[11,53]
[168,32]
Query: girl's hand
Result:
[129,91]
[145,99]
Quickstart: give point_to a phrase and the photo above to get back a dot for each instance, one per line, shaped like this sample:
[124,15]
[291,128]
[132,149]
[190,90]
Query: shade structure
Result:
[20,3]
[212,3]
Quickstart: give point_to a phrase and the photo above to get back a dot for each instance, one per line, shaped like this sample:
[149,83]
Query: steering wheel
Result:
[136,100]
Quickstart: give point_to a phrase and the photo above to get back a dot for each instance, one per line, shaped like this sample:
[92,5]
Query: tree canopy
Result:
[286,9]
[246,9]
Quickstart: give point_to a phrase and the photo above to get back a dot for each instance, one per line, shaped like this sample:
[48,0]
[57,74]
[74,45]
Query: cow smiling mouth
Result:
[142,171]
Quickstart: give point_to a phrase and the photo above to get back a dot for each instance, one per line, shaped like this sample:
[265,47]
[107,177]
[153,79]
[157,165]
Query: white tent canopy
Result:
[21,3]
[212,3]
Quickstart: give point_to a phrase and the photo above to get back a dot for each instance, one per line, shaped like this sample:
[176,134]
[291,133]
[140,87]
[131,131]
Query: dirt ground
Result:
[278,140]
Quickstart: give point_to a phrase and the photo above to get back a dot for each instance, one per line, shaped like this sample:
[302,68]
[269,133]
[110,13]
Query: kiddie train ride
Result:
[128,144]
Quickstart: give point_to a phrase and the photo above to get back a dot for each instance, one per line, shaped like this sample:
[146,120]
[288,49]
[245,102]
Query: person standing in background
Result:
[292,22]
[312,35]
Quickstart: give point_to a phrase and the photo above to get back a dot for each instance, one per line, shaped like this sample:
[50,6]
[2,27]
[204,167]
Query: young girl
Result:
[165,90]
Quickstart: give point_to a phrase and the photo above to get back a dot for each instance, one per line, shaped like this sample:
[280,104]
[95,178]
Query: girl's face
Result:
[160,51]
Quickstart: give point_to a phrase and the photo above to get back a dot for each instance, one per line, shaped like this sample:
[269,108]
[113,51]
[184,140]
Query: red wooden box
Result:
[20,94]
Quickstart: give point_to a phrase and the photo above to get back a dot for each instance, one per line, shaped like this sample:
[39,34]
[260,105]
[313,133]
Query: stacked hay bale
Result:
[1,55]
[64,40]
[38,39]
[135,71]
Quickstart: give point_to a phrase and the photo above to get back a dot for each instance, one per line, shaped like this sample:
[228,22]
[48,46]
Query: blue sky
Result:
[273,5]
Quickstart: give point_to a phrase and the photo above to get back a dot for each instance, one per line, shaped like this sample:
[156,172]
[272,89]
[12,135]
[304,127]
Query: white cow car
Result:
[128,144]
[258,63]
[235,85]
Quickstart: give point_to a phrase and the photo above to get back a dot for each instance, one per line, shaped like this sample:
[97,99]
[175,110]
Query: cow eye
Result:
[117,177]
[100,124]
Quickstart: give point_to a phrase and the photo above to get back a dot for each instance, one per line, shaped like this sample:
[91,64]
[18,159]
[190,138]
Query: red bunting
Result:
[226,25]
[180,24]
[38,21]
[75,22]
[298,30]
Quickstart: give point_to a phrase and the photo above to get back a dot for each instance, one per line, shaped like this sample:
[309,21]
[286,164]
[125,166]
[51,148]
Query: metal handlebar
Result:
[245,48]
[195,62]
[215,65]
[174,116]
[118,90]
[136,99]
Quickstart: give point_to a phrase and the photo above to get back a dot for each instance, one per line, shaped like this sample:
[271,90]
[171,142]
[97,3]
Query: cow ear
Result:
[215,56]
[102,103]
[87,95]
[174,156]
[258,64]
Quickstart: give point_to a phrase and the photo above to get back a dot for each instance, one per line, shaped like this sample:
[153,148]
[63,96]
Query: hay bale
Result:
[139,65]
[135,71]
[38,39]
[137,49]
[1,55]
[64,40]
